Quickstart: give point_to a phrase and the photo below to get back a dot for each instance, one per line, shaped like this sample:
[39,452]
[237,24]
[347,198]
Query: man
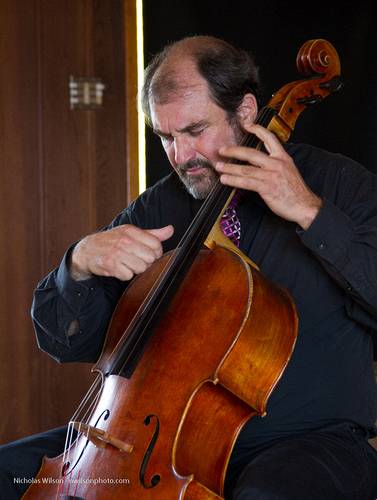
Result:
[308,219]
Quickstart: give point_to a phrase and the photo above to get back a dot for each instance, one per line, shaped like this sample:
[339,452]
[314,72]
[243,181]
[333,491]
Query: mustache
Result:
[199,162]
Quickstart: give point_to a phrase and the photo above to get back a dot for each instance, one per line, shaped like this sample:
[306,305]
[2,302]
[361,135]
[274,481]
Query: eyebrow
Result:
[191,127]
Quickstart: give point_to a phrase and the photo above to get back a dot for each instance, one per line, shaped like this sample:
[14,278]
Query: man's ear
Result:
[247,111]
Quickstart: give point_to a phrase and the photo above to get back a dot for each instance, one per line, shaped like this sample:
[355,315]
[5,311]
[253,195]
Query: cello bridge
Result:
[101,438]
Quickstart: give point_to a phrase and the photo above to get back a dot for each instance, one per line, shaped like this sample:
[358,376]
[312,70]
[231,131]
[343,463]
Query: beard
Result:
[200,185]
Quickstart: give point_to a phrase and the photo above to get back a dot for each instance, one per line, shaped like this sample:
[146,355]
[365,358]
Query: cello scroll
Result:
[318,60]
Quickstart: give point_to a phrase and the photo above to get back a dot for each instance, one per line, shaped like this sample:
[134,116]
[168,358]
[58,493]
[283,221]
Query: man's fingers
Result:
[150,238]
[251,183]
[239,170]
[247,156]
[254,156]
[120,252]
[135,263]
[138,258]
[270,141]
[162,233]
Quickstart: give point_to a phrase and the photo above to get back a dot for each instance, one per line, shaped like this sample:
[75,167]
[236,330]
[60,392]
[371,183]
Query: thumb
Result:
[162,233]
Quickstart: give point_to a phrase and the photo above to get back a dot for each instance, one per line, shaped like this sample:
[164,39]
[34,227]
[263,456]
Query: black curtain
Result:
[274,31]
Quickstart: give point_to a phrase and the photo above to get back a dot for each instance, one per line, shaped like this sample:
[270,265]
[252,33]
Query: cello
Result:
[163,415]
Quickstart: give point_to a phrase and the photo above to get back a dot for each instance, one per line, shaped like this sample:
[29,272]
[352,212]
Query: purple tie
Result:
[230,223]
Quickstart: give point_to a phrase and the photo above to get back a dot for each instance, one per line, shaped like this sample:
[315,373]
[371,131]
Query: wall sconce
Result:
[85,93]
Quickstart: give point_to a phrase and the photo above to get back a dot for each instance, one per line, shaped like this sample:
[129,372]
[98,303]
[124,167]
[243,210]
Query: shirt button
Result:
[79,294]
[321,246]
[91,288]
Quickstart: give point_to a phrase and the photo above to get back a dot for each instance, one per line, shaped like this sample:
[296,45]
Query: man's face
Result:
[192,128]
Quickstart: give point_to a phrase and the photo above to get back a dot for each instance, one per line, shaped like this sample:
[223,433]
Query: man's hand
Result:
[120,252]
[274,176]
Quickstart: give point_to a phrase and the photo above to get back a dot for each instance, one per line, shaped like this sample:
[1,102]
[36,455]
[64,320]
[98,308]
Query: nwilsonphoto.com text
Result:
[52,480]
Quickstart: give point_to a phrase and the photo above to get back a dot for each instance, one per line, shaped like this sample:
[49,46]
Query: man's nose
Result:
[183,150]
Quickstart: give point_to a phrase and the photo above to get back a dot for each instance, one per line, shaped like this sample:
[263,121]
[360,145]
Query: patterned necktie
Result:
[230,223]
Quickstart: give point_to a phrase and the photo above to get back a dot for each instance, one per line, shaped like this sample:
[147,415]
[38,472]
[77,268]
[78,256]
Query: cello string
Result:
[98,380]
[77,415]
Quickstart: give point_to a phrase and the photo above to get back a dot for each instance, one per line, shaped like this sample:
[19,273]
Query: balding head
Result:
[229,73]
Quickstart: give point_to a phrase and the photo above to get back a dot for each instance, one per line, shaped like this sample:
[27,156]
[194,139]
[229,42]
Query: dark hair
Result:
[230,73]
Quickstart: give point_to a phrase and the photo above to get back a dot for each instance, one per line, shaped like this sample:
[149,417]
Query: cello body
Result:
[190,394]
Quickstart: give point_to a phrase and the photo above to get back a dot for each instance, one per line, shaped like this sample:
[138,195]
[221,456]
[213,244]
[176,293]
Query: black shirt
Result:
[330,270]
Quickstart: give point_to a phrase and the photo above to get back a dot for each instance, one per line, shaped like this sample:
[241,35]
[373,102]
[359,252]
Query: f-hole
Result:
[155,479]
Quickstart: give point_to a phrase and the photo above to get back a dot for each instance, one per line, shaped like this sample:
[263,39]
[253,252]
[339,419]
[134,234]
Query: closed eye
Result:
[196,132]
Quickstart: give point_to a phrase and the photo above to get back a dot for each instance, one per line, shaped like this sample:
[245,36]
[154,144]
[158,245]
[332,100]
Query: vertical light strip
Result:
[140,76]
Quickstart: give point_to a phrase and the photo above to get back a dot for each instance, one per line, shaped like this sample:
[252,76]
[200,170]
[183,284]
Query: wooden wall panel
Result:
[110,182]
[63,174]
[19,215]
